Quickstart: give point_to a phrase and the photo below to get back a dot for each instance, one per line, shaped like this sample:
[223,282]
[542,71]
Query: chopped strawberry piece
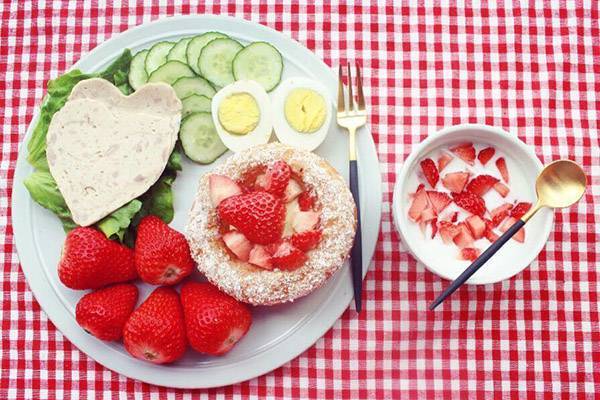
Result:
[306,241]
[464,237]
[465,152]
[428,214]
[477,226]
[501,165]
[260,257]
[481,184]
[485,155]
[489,233]
[438,200]
[423,227]
[469,254]
[434,227]
[448,231]
[238,244]
[251,179]
[520,209]
[470,202]
[221,187]
[306,201]
[454,217]
[430,171]
[499,213]
[305,221]
[520,235]
[443,160]
[455,181]
[292,190]
[502,189]
[287,257]
[419,204]
[277,178]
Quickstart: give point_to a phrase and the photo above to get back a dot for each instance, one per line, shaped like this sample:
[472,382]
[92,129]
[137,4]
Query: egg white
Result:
[259,135]
[285,132]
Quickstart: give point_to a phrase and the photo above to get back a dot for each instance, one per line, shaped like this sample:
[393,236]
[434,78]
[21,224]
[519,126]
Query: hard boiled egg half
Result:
[242,113]
[301,113]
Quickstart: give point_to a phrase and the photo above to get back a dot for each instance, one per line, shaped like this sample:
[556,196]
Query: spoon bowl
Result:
[560,184]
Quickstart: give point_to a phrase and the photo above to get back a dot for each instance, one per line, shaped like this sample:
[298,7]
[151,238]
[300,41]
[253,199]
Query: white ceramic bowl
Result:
[514,256]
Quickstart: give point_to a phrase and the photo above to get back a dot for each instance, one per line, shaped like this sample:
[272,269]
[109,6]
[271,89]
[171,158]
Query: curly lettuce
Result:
[120,224]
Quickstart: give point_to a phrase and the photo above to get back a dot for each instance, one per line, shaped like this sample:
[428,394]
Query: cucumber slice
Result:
[196,45]
[195,103]
[260,62]
[215,62]
[199,138]
[188,86]
[157,56]
[137,71]
[170,72]
[177,53]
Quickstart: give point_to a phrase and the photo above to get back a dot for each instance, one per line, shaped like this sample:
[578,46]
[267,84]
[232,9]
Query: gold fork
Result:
[352,117]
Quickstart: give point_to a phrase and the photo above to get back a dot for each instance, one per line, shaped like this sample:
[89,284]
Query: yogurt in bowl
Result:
[433,238]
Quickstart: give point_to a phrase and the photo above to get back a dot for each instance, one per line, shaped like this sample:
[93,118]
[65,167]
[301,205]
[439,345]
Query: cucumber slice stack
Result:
[196,67]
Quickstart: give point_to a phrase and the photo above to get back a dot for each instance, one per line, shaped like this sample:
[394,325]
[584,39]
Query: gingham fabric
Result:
[532,69]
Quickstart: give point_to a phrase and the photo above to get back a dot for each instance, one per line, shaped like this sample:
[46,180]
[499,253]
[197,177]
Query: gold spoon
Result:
[560,184]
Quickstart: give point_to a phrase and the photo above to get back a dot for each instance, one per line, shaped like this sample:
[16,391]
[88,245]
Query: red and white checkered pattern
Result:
[533,70]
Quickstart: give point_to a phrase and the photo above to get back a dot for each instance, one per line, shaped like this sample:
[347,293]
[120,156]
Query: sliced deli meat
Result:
[104,149]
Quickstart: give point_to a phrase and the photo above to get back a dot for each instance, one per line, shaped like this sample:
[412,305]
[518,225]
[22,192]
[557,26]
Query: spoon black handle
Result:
[478,263]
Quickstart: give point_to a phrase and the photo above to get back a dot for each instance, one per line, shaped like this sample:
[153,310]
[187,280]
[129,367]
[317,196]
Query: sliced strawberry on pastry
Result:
[307,240]
[221,187]
[260,257]
[288,257]
[237,243]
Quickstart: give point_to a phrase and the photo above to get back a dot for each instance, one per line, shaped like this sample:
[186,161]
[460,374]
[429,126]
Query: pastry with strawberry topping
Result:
[272,224]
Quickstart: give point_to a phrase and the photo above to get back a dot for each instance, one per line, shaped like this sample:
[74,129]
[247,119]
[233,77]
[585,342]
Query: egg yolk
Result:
[239,113]
[305,110]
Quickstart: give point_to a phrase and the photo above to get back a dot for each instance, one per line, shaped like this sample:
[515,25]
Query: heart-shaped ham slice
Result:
[104,149]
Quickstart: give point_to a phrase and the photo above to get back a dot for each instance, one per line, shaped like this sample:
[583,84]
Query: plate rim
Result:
[142,371]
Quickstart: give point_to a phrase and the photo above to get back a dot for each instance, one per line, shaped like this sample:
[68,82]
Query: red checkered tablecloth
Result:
[530,69]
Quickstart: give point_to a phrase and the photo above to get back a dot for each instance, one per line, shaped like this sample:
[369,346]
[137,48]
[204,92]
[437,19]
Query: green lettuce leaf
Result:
[43,190]
[115,225]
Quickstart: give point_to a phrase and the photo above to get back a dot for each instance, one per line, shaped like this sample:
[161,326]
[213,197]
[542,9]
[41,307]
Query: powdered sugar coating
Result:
[255,285]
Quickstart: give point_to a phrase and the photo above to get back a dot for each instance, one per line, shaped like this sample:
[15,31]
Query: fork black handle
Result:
[356,254]
[478,263]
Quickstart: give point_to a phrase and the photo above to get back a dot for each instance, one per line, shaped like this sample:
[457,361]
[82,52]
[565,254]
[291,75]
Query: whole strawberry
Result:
[103,313]
[214,321]
[155,332]
[162,255]
[89,260]
[259,215]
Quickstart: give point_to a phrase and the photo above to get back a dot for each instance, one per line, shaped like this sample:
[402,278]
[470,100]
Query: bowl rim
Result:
[401,179]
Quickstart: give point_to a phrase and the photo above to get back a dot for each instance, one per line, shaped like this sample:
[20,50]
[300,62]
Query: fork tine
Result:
[350,95]
[361,96]
[341,107]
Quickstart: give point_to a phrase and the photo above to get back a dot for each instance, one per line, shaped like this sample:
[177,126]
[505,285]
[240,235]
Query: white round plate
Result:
[279,333]
[513,257]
